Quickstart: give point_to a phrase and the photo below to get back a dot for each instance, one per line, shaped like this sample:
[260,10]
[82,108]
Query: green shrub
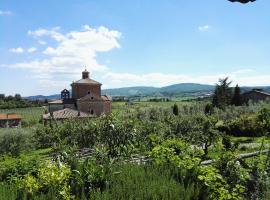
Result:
[16,141]
[246,125]
[226,142]
[13,169]
[50,178]
[263,120]
[145,182]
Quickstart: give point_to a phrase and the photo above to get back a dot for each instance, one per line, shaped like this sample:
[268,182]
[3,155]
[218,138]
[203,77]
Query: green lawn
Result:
[30,115]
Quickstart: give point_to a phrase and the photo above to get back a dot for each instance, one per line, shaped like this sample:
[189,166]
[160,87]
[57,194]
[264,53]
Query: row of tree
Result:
[10,97]
[16,101]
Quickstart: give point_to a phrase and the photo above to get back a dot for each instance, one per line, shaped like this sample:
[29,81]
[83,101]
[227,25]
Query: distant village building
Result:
[255,95]
[120,98]
[85,101]
[10,120]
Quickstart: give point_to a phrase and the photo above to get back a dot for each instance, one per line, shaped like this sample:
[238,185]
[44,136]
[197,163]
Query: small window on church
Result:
[92,97]
[92,112]
[88,92]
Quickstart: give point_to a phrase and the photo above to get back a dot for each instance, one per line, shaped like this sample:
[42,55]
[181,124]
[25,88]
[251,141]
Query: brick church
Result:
[85,100]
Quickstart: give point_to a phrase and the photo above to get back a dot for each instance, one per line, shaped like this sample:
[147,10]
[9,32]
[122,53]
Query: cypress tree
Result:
[237,99]
[175,109]
[223,94]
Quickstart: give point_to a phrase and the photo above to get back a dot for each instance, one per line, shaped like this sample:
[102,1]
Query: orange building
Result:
[10,120]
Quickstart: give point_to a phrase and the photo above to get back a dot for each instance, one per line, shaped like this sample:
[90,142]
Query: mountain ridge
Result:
[180,89]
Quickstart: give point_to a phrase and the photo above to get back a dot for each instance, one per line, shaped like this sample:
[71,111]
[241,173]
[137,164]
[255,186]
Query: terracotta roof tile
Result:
[105,98]
[87,81]
[66,113]
[10,116]
[3,116]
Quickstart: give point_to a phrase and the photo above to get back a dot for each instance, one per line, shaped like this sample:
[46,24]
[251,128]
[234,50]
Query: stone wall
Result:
[107,107]
[93,107]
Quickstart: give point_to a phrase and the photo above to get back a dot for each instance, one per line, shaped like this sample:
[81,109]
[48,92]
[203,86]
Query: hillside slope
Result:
[181,89]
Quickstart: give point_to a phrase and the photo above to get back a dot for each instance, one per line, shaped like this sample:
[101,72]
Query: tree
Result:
[242,1]
[210,134]
[209,109]
[175,109]
[9,98]
[17,97]
[223,93]
[237,98]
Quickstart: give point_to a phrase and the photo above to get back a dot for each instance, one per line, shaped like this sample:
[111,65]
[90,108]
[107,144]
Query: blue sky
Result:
[44,45]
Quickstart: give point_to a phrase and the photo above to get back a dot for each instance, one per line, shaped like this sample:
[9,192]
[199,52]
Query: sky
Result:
[45,45]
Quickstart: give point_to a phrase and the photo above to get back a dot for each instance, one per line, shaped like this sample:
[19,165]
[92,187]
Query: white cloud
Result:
[17,50]
[63,60]
[31,49]
[42,42]
[6,12]
[69,52]
[53,33]
[157,79]
[114,80]
[204,28]
[243,71]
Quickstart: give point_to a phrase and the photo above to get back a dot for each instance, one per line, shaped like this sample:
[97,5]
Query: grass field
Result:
[23,131]
[30,116]
[123,106]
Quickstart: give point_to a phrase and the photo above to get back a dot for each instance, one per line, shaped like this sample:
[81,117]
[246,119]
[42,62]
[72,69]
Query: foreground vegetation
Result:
[141,151]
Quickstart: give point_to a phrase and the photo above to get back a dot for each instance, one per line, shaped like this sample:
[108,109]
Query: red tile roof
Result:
[87,81]
[10,116]
[66,113]
[105,98]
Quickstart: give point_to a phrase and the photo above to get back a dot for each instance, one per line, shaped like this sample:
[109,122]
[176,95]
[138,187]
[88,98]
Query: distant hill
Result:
[176,89]
[41,97]
[181,89]
[131,91]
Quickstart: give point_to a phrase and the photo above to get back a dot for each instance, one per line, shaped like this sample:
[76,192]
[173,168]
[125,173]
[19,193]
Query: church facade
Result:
[85,98]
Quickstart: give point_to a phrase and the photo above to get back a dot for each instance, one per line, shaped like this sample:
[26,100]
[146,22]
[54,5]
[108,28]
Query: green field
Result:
[30,116]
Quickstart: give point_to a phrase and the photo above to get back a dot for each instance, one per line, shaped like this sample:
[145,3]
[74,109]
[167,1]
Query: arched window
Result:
[92,112]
